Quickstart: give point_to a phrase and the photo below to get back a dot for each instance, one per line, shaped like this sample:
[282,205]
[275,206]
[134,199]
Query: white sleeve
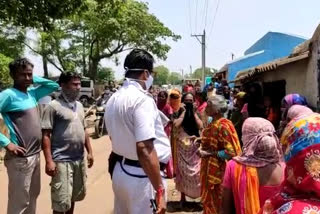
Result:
[144,116]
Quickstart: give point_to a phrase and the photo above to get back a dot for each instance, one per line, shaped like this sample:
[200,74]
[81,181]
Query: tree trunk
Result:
[45,66]
[93,69]
[84,63]
[44,55]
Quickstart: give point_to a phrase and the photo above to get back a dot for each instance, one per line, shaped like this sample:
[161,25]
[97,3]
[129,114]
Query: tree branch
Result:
[39,53]
[91,47]
[118,49]
[32,49]
[59,54]
[54,64]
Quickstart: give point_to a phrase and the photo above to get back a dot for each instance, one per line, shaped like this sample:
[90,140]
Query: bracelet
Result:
[160,190]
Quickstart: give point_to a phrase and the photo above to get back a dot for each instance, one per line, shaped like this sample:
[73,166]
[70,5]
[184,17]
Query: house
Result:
[296,73]
[271,46]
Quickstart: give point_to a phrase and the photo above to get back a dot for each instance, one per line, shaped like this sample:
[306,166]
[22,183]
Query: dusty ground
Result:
[99,199]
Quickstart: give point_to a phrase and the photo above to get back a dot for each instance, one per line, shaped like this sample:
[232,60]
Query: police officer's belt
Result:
[114,158]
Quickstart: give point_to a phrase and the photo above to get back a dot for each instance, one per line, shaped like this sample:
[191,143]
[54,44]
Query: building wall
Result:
[300,78]
[270,47]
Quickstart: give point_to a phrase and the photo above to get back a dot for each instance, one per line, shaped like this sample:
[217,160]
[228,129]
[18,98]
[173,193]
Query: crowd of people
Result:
[226,149]
[219,144]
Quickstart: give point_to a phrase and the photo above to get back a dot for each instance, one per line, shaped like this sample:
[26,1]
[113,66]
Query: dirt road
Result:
[99,199]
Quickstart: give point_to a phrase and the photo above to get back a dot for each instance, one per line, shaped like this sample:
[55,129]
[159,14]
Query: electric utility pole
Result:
[203,45]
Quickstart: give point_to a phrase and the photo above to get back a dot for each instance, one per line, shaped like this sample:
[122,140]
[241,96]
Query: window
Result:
[85,84]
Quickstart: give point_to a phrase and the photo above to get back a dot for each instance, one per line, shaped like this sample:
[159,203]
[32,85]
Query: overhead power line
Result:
[206,5]
[214,19]
[190,21]
[196,18]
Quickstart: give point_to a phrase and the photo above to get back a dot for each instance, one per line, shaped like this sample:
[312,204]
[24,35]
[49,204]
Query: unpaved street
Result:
[99,198]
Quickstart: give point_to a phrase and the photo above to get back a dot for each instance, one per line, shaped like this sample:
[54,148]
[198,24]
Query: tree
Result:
[11,40]
[103,30]
[36,13]
[197,74]
[162,75]
[175,78]
[5,79]
[40,15]
[105,74]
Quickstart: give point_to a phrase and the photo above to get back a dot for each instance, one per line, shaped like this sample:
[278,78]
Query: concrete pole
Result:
[203,44]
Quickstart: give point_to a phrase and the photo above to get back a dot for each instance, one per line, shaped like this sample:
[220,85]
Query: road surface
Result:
[99,199]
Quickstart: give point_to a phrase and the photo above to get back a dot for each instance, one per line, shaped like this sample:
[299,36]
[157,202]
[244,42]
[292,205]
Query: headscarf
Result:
[189,123]
[241,95]
[161,103]
[175,99]
[302,175]
[288,101]
[260,144]
[297,111]
[294,99]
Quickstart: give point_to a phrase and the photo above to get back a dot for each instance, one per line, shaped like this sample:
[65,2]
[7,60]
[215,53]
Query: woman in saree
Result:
[175,103]
[188,162]
[286,103]
[254,176]
[297,111]
[219,143]
[300,192]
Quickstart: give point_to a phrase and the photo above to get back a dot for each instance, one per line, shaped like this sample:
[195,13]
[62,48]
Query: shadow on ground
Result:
[176,206]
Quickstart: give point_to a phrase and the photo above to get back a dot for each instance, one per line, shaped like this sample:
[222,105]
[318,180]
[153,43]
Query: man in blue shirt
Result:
[19,108]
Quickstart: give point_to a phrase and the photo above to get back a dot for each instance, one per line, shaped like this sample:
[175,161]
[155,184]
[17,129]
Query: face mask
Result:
[149,81]
[71,95]
[189,106]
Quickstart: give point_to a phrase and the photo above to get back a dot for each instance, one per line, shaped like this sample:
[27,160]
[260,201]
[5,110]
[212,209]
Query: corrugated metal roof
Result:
[270,66]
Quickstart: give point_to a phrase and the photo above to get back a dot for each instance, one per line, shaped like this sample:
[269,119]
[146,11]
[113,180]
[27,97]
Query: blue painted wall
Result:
[270,47]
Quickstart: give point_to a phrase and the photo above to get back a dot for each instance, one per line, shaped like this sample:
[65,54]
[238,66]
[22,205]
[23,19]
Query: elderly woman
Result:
[219,143]
[300,192]
[254,176]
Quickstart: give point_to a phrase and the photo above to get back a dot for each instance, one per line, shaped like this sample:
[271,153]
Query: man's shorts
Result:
[68,185]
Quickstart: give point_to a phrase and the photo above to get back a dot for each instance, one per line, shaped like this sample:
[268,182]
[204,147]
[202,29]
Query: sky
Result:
[232,26]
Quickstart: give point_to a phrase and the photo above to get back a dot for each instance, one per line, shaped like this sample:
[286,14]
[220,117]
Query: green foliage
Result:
[197,74]
[11,40]
[5,79]
[37,13]
[102,30]
[162,75]
[175,78]
[75,35]
[105,74]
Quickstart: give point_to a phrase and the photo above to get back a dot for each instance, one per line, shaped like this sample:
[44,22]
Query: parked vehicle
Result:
[99,126]
[86,92]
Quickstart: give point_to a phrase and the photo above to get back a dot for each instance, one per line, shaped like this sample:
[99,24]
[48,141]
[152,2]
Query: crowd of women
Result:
[232,157]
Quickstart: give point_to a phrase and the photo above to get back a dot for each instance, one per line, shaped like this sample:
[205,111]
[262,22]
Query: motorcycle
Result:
[99,124]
